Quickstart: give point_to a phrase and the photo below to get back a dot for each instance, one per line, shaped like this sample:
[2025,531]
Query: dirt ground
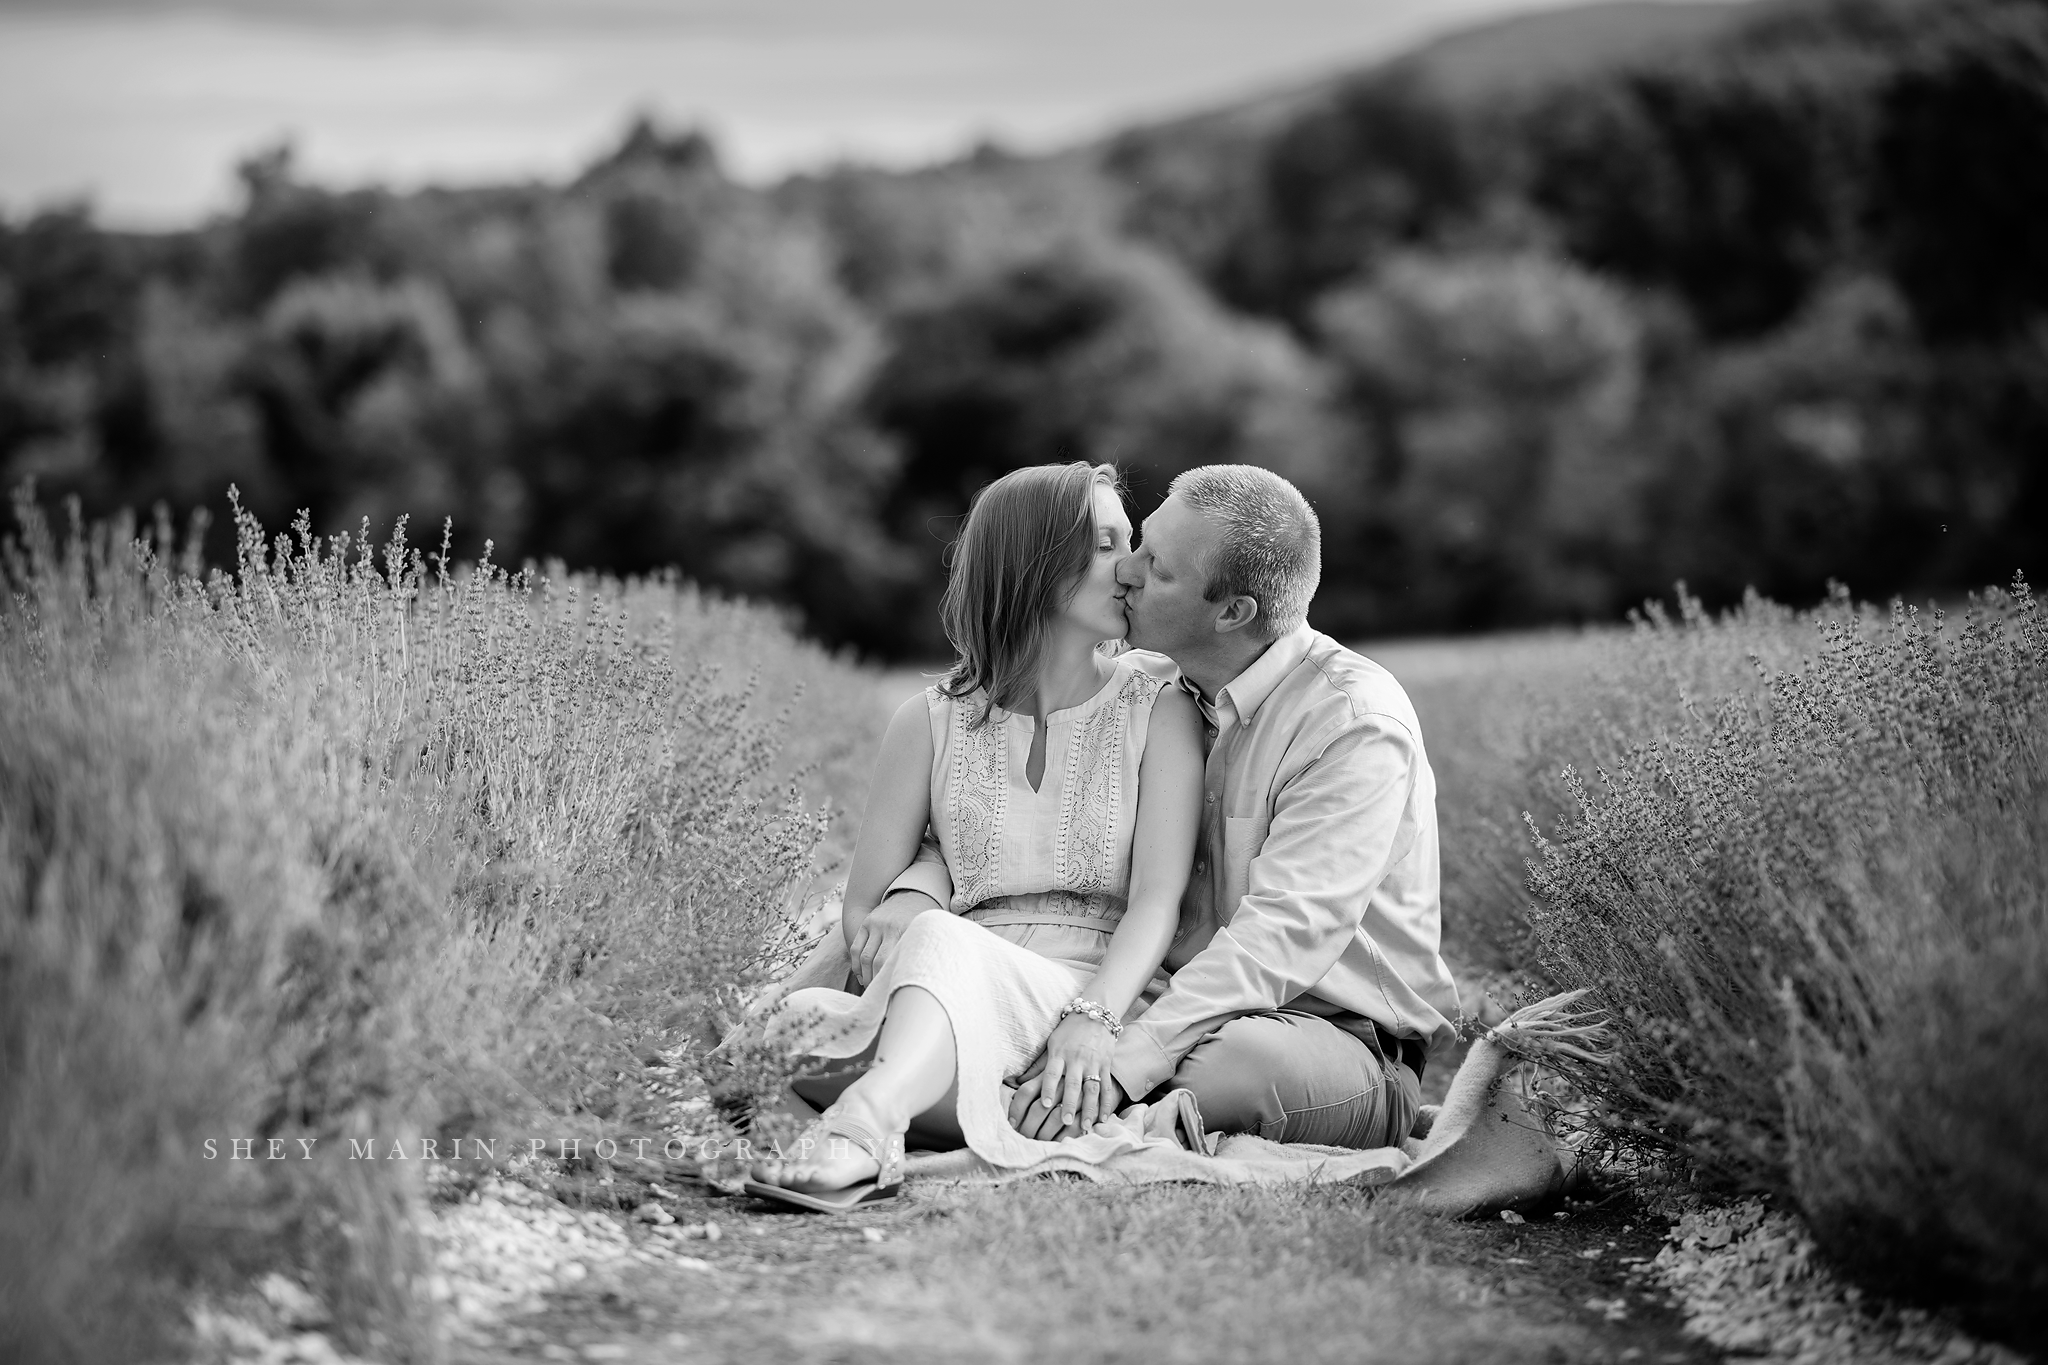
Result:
[891,1284]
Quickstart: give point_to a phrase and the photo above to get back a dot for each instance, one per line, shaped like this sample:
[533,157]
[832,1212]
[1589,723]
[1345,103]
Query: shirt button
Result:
[1210,798]
[1201,867]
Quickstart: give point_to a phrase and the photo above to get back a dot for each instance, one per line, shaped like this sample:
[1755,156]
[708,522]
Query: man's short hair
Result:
[1272,550]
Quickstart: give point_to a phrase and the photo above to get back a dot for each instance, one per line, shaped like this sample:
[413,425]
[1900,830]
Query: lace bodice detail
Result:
[1063,851]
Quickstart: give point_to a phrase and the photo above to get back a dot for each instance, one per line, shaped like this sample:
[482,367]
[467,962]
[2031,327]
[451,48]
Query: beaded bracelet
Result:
[1099,1013]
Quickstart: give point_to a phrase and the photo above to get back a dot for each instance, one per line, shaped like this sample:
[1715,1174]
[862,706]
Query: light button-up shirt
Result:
[1316,884]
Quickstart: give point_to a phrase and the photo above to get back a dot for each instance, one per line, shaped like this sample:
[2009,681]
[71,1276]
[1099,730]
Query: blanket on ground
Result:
[1487,1146]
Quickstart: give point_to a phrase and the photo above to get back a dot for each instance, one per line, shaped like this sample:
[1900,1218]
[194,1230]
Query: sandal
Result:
[886,1185]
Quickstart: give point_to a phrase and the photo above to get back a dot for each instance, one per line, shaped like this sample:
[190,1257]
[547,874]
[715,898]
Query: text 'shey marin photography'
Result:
[700,1150]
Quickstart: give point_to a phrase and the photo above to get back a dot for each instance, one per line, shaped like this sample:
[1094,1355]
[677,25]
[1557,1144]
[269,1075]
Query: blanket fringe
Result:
[1552,1030]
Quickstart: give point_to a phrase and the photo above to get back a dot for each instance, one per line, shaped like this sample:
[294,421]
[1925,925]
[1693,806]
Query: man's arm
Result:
[919,889]
[927,874]
[1333,836]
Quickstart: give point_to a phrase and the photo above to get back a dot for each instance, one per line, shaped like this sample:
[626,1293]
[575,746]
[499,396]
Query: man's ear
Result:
[1237,613]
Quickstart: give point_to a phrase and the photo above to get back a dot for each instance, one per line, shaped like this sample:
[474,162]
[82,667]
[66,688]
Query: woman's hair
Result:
[1027,542]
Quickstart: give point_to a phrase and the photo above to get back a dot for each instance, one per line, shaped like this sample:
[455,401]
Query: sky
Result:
[145,106]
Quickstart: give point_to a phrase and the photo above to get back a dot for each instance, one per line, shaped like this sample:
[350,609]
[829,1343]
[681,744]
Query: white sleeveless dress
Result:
[1040,880]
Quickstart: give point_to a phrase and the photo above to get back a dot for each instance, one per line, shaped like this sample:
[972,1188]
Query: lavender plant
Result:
[349,842]
[1815,903]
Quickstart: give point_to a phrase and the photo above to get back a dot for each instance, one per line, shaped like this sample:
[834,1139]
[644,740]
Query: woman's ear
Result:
[1237,613]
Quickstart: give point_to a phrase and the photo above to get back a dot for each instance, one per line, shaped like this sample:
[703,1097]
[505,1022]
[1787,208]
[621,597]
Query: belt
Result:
[1412,1053]
[998,917]
[1100,913]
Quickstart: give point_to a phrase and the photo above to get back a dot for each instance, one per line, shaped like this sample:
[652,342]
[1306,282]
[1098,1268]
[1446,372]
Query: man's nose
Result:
[1127,571]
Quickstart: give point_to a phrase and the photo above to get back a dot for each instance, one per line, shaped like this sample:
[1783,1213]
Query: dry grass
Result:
[1067,1270]
[1298,1274]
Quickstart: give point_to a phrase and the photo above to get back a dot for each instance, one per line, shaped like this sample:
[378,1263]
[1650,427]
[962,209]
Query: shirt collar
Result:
[1248,691]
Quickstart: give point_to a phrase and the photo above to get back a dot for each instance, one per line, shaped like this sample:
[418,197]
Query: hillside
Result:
[1203,185]
[1490,61]
[1202,162]
[1534,51]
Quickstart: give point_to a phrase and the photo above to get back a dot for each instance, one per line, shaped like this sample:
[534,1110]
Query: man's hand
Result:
[1038,1115]
[874,938]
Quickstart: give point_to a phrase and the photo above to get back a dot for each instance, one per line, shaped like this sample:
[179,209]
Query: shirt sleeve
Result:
[1335,831]
[927,873]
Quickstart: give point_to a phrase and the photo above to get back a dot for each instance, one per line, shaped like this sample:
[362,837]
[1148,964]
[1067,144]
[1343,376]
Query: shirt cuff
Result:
[1139,1064]
[927,878]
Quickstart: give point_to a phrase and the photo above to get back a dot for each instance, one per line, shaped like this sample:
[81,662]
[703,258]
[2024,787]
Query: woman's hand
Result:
[1071,1083]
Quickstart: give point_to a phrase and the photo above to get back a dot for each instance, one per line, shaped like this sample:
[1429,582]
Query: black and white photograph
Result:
[839,682]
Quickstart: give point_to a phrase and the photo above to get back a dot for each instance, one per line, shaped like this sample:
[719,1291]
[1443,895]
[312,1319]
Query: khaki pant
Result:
[1290,1076]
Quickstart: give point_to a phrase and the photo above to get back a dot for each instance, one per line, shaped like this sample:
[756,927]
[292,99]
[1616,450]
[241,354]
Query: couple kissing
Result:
[1150,832]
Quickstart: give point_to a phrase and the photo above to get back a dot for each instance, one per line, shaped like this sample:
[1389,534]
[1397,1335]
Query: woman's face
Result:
[1097,602]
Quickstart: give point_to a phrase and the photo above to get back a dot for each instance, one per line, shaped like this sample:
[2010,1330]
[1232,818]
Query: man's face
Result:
[1163,581]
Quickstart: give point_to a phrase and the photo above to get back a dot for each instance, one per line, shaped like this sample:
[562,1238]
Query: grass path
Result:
[1071,1272]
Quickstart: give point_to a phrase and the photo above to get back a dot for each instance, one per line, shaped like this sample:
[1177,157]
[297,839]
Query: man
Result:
[1307,987]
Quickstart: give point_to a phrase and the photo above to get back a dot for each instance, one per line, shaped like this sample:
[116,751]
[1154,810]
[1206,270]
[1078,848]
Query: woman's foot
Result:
[836,1152]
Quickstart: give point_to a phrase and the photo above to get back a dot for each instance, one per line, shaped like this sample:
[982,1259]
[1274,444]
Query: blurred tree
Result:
[1195,189]
[623,448]
[203,431]
[365,393]
[32,413]
[1731,185]
[1961,191]
[1789,460]
[694,405]
[646,144]
[1095,351]
[898,238]
[288,231]
[1981,468]
[1384,163]
[659,192]
[662,438]
[73,293]
[1843,446]
[1496,387]
[72,410]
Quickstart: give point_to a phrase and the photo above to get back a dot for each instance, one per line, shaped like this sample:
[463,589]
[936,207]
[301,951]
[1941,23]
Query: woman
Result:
[1063,786]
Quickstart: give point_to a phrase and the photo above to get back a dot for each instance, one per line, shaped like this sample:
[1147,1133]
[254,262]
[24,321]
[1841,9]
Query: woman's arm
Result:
[1162,851]
[899,808]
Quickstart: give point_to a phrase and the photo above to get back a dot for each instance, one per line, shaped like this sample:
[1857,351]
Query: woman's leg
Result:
[824,1086]
[912,1079]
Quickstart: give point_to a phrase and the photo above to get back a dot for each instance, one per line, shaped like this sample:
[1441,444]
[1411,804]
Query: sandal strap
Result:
[887,1155]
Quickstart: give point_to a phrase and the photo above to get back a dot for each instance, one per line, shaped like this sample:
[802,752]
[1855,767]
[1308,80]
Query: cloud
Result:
[384,13]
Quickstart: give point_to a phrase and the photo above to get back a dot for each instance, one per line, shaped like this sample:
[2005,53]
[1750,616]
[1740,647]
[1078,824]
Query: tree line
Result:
[1764,313]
